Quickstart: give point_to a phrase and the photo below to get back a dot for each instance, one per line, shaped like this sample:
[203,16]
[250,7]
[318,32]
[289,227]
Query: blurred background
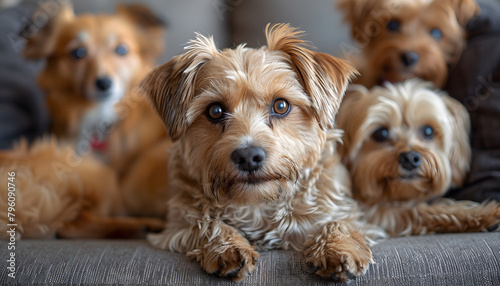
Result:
[232,22]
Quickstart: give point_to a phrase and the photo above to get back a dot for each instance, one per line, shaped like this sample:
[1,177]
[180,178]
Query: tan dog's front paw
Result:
[227,260]
[343,267]
[339,253]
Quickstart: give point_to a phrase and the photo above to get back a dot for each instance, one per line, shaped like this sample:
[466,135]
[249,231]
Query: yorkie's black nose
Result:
[410,160]
[248,159]
[410,59]
[103,83]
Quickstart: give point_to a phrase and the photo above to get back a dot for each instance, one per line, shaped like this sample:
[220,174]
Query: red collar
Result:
[98,145]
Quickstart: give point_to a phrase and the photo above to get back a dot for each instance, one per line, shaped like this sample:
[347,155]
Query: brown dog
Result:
[60,193]
[254,166]
[93,62]
[405,145]
[402,39]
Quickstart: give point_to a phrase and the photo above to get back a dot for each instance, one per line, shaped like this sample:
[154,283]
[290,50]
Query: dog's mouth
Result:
[256,179]
[404,177]
[394,75]
[408,177]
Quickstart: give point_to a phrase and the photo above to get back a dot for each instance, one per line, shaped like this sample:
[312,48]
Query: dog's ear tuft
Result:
[460,155]
[356,14]
[170,88]
[150,27]
[465,10]
[323,77]
[42,30]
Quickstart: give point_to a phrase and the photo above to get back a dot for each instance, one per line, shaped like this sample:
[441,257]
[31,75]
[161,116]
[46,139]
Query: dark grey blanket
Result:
[475,81]
[22,108]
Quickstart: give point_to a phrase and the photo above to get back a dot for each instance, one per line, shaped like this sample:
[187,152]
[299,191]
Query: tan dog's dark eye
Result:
[215,112]
[78,53]
[427,132]
[281,107]
[121,50]
[381,134]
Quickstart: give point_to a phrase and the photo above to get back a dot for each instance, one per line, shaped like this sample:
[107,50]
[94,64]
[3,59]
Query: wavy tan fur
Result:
[382,49]
[222,216]
[399,201]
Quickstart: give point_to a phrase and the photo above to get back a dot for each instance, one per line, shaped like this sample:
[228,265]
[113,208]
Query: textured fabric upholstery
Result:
[475,82]
[464,259]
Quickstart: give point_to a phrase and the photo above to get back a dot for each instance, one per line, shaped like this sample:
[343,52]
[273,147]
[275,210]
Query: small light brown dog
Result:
[92,64]
[254,165]
[58,192]
[405,145]
[403,39]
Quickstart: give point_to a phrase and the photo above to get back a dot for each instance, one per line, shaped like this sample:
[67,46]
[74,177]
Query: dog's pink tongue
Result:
[97,144]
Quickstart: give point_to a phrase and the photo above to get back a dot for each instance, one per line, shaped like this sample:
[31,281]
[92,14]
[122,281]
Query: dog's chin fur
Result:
[298,197]
[382,49]
[395,198]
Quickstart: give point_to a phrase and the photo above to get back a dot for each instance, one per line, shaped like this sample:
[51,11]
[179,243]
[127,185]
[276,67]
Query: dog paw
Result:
[236,262]
[342,268]
[339,253]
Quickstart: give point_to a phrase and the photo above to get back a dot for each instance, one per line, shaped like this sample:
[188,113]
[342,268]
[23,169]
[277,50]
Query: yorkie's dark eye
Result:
[436,34]
[393,25]
[281,107]
[78,53]
[381,134]
[215,112]
[121,50]
[427,132]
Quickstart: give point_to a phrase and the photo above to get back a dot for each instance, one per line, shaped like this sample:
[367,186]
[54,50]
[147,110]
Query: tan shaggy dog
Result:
[93,62]
[405,145]
[60,193]
[254,165]
[403,39]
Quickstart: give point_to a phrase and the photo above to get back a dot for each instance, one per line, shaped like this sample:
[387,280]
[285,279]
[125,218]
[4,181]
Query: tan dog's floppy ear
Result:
[324,77]
[465,10]
[151,28]
[171,87]
[351,115]
[356,13]
[460,155]
[42,30]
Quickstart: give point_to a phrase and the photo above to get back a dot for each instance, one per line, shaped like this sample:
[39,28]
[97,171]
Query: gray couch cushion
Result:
[320,19]
[452,259]
[22,108]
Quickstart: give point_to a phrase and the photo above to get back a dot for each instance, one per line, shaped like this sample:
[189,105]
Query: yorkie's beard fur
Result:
[401,40]
[254,164]
[406,145]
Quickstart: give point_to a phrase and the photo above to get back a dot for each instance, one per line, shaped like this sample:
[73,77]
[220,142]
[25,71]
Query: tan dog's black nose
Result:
[103,83]
[410,160]
[410,59]
[248,159]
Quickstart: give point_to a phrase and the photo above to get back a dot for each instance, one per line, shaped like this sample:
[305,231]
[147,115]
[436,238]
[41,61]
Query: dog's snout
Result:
[410,160]
[248,159]
[410,59]
[103,83]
